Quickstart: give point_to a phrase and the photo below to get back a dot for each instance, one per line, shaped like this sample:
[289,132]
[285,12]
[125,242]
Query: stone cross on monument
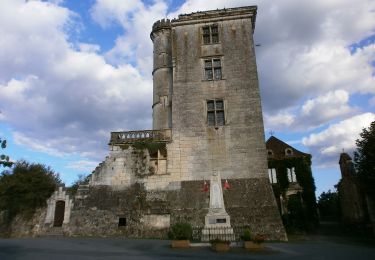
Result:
[217,220]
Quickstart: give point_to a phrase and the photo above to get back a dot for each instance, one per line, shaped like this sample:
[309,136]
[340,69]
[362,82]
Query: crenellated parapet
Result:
[160,24]
[218,15]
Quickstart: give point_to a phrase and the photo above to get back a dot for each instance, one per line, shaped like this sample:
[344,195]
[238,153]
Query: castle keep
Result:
[207,120]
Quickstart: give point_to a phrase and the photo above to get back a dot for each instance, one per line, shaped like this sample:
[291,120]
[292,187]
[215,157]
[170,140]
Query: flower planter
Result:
[250,245]
[180,244]
[220,247]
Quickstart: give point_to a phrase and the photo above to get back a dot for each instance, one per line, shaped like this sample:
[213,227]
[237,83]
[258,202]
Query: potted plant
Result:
[180,234]
[220,245]
[252,242]
[259,238]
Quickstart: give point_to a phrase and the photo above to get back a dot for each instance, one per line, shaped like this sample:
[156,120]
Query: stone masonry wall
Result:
[22,226]
[248,202]
[149,213]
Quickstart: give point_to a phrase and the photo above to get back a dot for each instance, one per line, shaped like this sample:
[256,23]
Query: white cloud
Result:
[310,47]
[323,109]
[86,47]
[83,165]
[278,121]
[59,100]
[313,113]
[136,18]
[106,12]
[327,144]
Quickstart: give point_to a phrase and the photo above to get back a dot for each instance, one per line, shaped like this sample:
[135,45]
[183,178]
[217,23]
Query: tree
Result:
[328,204]
[364,156]
[26,187]
[4,159]
[82,179]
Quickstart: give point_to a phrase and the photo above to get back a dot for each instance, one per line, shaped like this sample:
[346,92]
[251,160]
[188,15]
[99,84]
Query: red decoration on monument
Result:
[205,187]
[226,185]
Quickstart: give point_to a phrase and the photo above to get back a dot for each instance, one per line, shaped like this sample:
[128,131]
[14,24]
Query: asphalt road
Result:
[56,248]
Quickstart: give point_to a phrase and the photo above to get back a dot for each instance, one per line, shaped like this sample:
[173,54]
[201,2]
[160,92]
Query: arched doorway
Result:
[59,213]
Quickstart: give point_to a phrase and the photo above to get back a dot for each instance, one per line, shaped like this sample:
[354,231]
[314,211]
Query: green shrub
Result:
[180,231]
[246,235]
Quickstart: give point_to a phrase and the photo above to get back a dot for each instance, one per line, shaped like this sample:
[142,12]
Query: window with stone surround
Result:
[272,175]
[212,69]
[215,112]
[292,175]
[210,34]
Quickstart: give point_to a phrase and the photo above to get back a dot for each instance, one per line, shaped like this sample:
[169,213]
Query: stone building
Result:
[289,171]
[356,201]
[207,119]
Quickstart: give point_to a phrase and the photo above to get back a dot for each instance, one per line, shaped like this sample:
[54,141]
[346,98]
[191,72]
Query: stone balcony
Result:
[118,138]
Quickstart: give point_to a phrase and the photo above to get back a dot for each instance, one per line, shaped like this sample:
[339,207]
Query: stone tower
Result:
[207,120]
[206,90]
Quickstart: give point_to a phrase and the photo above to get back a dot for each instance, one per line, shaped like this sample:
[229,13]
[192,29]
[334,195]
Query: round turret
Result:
[159,25]
[162,74]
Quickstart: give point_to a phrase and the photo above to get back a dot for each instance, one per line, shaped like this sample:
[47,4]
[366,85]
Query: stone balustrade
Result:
[140,136]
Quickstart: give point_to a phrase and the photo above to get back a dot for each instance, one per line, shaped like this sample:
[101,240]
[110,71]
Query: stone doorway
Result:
[59,213]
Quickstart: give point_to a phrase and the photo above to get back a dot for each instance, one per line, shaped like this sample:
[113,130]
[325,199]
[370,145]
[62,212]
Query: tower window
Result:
[215,112]
[212,69]
[210,34]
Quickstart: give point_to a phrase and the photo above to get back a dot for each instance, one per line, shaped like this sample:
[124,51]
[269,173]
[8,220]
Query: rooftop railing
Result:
[140,136]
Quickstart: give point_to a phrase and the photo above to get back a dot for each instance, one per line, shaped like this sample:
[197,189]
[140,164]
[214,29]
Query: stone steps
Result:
[53,232]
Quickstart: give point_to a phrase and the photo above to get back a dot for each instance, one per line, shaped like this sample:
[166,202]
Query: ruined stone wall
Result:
[150,213]
[98,214]
[22,226]
[125,166]
[352,204]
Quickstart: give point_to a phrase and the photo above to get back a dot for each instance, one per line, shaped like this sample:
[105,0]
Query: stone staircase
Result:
[53,232]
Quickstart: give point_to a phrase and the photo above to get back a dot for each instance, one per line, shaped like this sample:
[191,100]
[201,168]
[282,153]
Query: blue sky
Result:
[73,71]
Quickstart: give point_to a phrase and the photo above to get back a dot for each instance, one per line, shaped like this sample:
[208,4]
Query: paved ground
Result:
[56,248]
